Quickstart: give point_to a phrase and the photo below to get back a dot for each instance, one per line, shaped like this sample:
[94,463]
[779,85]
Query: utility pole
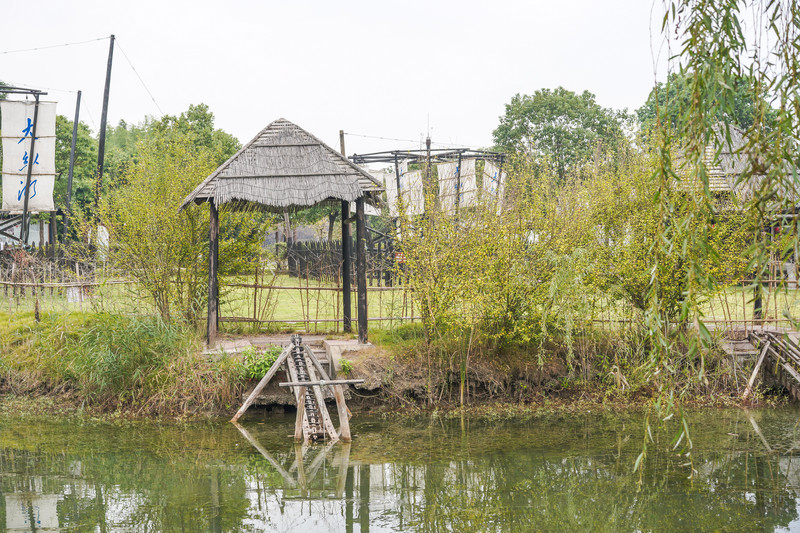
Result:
[101,149]
[71,165]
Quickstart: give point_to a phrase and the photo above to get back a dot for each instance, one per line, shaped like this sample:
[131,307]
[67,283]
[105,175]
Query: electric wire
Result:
[51,46]
[138,76]
[84,106]
[405,140]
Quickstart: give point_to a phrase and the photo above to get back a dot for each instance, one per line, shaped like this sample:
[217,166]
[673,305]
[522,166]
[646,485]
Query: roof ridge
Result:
[276,127]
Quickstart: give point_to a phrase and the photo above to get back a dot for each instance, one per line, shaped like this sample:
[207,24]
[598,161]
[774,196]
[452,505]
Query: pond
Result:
[551,473]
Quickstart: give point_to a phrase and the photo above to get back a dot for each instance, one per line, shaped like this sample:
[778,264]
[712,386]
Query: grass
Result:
[105,362]
[303,304]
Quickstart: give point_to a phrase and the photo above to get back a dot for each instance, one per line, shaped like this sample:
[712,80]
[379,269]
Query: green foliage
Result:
[164,250]
[258,362]
[84,168]
[666,99]
[567,128]
[720,73]
[197,126]
[346,366]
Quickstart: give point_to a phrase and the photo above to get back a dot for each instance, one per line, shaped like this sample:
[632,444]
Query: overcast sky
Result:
[374,68]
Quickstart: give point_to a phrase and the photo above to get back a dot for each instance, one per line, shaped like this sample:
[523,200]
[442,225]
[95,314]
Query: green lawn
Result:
[316,308]
[309,303]
[296,306]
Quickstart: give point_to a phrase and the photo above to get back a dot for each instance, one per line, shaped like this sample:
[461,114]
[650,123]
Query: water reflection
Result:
[543,475]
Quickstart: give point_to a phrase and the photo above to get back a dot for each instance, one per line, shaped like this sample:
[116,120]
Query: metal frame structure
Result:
[26,221]
[429,156]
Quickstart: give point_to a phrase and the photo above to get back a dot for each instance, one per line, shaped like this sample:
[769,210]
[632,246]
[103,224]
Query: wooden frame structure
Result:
[286,168]
[307,377]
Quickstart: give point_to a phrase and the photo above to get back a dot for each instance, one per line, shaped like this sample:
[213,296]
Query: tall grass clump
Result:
[139,365]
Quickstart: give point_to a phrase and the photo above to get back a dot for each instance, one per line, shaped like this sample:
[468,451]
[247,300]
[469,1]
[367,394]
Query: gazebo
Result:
[286,168]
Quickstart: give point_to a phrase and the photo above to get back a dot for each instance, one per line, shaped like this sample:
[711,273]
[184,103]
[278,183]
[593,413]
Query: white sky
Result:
[376,68]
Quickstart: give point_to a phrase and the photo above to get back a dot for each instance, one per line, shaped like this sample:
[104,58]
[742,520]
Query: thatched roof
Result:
[284,166]
[730,171]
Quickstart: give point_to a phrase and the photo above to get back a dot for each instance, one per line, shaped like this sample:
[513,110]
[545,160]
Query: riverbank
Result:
[96,364]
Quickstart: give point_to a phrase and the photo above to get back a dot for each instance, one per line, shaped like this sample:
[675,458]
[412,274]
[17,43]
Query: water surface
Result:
[556,473]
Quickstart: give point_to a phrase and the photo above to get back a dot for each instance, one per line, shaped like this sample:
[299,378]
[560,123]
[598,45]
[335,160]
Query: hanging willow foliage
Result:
[720,44]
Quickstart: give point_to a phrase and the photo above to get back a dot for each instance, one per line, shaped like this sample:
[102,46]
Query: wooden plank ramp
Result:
[779,356]
[307,377]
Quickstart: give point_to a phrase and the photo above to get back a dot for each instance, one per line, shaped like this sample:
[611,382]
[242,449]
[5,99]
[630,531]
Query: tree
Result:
[668,99]
[85,164]
[197,125]
[164,250]
[558,124]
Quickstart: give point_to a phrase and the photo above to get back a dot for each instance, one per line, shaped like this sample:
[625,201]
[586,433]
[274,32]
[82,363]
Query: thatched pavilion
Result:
[285,167]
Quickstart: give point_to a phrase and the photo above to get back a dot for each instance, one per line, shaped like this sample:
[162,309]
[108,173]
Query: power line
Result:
[41,87]
[85,106]
[381,138]
[51,46]
[138,76]
[407,140]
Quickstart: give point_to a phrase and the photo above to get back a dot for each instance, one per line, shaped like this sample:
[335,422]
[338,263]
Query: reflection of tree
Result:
[540,475]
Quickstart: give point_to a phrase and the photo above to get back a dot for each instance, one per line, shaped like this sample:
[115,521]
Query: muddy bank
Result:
[409,384]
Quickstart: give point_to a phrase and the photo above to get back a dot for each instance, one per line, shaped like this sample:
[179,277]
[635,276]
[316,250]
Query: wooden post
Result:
[361,270]
[26,216]
[347,308]
[68,203]
[301,413]
[101,143]
[458,184]
[338,394]
[213,264]
[347,267]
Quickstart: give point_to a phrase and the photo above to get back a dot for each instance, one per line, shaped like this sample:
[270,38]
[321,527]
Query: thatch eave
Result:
[285,167]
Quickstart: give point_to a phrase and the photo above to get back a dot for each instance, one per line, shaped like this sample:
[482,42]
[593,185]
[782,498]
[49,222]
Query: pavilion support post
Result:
[361,269]
[213,264]
[347,268]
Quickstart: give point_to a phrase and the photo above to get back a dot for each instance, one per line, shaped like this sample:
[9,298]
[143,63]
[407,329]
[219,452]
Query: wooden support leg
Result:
[301,414]
[213,263]
[344,415]
[749,389]
[261,384]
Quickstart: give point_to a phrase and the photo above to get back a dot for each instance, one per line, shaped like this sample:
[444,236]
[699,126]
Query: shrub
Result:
[257,363]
